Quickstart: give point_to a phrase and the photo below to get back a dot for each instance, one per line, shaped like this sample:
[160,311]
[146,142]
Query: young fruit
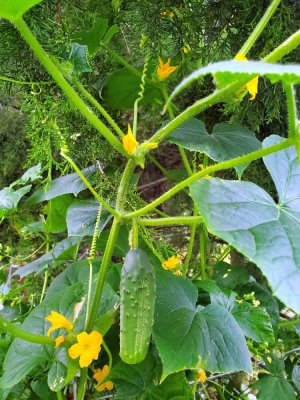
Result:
[137,306]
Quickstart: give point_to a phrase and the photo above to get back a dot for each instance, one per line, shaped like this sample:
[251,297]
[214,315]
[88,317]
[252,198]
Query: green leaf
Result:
[267,300]
[229,276]
[296,376]
[227,141]
[276,367]
[92,37]
[112,31]
[230,71]
[174,387]
[32,174]
[120,90]
[64,250]
[10,198]
[245,216]
[56,211]
[255,322]
[41,389]
[56,376]
[189,337]
[14,9]
[79,57]
[23,356]
[81,218]
[66,184]
[272,387]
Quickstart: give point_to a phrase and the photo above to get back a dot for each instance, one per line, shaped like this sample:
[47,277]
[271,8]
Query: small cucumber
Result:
[137,292]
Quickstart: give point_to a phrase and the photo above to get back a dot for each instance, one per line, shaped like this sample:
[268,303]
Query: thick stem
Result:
[82,384]
[209,170]
[65,86]
[24,335]
[191,242]
[284,48]
[170,221]
[259,27]
[102,273]
[203,252]
[89,186]
[292,110]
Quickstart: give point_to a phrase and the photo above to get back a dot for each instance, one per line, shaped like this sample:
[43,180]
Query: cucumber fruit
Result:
[137,292]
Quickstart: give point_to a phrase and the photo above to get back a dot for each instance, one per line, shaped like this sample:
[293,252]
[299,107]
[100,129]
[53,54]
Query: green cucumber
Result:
[137,292]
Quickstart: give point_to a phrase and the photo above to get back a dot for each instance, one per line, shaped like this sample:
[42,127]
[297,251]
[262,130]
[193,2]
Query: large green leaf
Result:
[10,198]
[226,141]
[81,218]
[92,37]
[66,184]
[273,387]
[64,250]
[296,376]
[32,174]
[245,216]
[188,336]
[79,58]
[229,276]
[56,211]
[14,9]
[255,322]
[230,71]
[120,90]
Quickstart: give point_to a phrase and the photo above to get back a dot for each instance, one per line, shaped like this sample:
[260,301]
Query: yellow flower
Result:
[100,375]
[255,303]
[267,351]
[178,273]
[167,13]
[164,70]
[252,85]
[270,360]
[201,166]
[58,321]
[59,341]
[201,375]
[150,145]
[88,347]
[171,263]
[129,142]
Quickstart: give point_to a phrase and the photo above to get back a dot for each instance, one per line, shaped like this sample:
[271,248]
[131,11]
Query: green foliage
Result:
[214,318]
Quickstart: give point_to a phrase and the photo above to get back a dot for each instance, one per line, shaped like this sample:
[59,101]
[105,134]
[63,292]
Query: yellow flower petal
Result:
[129,142]
[171,263]
[269,360]
[201,375]
[105,386]
[164,70]
[150,145]
[59,340]
[178,273]
[252,86]
[88,347]
[58,321]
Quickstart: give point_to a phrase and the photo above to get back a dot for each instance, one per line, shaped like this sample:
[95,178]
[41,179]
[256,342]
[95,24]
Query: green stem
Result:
[102,273]
[170,221]
[259,27]
[203,252]
[292,110]
[65,86]
[88,185]
[82,384]
[284,48]
[89,293]
[24,335]
[209,170]
[158,165]
[59,395]
[135,234]
[6,79]
[190,246]
[108,352]
[121,198]
[46,275]
[122,60]
[98,106]
[285,324]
